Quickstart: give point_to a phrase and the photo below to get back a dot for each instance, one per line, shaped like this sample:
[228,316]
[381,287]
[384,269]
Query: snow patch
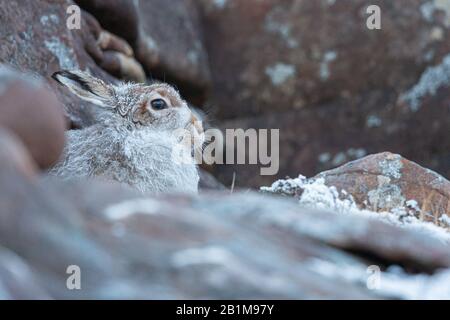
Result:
[207,255]
[314,194]
[445,219]
[128,208]
[394,282]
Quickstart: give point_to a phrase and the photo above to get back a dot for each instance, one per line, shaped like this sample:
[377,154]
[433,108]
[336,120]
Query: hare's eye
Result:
[158,104]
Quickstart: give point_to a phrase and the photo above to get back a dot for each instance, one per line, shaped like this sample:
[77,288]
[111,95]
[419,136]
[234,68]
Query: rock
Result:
[129,245]
[110,52]
[42,229]
[40,43]
[181,58]
[172,52]
[338,93]
[365,91]
[120,17]
[17,281]
[385,181]
[14,156]
[209,182]
[208,228]
[264,57]
[34,114]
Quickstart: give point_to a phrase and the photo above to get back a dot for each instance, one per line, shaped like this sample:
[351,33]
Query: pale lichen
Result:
[280,27]
[328,57]
[429,8]
[280,73]
[430,82]
[64,54]
[391,167]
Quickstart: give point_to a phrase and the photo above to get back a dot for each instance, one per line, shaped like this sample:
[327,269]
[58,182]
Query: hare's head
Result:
[157,106]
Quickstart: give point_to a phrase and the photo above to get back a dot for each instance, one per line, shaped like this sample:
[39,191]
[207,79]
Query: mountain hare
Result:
[134,141]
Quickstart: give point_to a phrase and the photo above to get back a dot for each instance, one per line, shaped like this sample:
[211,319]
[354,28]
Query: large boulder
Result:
[385,181]
[272,56]
[336,90]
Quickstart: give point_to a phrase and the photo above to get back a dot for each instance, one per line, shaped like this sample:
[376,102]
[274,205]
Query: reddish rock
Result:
[116,236]
[166,36]
[40,42]
[336,90]
[157,247]
[384,181]
[18,279]
[34,114]
[316,139]
[117,16]
[14,157]
[269,56]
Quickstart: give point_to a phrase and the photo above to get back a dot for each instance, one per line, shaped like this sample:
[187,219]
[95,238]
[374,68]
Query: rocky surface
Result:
[385,181]
[128,245]
[166,36]
[338,92]
[265,57]
[400,190]
[40,43]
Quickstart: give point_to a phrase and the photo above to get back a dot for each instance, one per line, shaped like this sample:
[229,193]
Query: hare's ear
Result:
[86,87]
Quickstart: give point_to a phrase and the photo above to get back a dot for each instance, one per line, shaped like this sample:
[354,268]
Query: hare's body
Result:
[141,159]
[123,147]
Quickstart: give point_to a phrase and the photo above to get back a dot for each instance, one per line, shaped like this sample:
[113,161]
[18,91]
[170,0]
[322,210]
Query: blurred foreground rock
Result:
[33,113]
[128,245]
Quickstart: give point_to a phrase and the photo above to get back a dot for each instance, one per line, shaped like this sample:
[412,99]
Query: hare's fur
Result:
[142,159]
[138,155]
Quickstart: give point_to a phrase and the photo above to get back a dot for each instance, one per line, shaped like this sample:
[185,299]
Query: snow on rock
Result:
[315,194]
[394,281]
